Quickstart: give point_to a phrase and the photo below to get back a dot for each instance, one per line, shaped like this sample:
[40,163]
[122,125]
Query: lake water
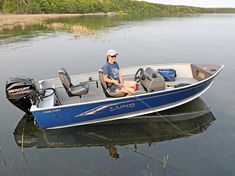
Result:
[128,147]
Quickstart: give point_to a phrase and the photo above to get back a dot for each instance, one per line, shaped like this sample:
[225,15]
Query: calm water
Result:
[129,147]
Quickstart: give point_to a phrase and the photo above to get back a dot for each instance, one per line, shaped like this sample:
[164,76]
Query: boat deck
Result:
[186,74]
[95,93]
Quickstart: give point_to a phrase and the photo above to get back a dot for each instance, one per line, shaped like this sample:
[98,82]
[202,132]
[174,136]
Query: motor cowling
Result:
[22,92]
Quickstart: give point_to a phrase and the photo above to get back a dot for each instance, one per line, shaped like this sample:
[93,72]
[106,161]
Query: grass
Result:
[3,157]
[8,21]
[165,161]
[148,171]
[77,30]
[18,24]
[22,141]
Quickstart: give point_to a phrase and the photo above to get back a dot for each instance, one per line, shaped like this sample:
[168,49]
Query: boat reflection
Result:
[186,120]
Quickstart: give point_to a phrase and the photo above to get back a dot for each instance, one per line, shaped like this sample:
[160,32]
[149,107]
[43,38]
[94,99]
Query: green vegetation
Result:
[94,6]
[219,10]
[91,6]
[28,26]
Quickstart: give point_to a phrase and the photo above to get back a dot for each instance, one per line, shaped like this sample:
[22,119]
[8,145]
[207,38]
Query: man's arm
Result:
[120,77]
[106,79]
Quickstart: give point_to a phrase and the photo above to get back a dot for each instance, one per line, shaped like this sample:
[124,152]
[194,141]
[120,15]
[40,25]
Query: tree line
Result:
[94,6]
[90,6]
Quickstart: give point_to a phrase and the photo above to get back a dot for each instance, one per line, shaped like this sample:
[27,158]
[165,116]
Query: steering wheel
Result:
[139,75]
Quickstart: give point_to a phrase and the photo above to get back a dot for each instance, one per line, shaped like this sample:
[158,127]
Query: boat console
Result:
[150,79]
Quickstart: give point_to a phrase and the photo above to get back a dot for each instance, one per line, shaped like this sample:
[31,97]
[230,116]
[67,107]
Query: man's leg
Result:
[131,84]
[126,90]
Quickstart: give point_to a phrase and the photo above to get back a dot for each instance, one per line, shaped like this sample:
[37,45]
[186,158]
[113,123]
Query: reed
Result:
[165,161]
[22,141]
[9,21]
[77,30]
[22,152]
[26,162]
[57,26]
[148,171]
[3,157]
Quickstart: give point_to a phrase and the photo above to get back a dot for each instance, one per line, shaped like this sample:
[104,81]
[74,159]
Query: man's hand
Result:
[116,82]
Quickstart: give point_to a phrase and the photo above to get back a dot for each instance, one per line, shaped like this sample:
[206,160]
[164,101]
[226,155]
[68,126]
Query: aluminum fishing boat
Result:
[85,99]
[189,119]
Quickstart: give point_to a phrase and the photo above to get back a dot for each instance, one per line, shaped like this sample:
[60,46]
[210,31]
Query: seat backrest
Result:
[65,78]
[107,92]
[102,82]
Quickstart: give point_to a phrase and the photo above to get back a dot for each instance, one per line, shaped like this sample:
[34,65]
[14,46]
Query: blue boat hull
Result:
[114,109]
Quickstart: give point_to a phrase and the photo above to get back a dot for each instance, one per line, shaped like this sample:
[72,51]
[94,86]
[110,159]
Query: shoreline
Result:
[8,21]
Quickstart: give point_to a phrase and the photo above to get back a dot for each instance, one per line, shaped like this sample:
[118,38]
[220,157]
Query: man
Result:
[113,75]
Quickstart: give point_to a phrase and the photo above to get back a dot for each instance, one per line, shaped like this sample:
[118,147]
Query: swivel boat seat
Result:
[107,91]
[72,90]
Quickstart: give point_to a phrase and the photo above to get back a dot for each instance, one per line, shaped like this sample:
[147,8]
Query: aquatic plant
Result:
[77,30]
[3,156]
[148,171]
[165,161]
[22,141]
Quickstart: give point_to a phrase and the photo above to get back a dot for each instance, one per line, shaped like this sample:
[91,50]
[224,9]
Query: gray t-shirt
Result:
[111,70]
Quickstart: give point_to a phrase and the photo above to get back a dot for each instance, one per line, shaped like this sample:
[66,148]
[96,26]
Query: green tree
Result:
[34,8]
[91,6]
[45,6]
[1,3]
[8,7]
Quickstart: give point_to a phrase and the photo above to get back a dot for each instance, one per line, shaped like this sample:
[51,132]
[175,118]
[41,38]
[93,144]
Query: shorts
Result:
[113,87]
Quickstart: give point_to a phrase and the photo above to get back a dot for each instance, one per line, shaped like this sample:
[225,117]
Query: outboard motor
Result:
[22,92]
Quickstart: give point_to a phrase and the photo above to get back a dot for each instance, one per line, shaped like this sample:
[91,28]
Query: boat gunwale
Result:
[36,109]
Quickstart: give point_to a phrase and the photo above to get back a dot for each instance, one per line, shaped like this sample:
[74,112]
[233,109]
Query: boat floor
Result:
[95,93]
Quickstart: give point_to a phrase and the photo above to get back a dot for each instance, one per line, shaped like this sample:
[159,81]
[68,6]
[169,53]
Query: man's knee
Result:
[127,90]
[130,83]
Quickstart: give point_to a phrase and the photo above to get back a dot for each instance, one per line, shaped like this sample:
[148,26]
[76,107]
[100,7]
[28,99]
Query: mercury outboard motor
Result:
[22,92]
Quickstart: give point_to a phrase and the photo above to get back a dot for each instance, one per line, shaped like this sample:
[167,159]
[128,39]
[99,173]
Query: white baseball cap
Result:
[111,52]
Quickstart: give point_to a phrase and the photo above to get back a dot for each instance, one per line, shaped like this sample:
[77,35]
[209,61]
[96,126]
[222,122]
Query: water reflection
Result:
[78,26]
[186,120]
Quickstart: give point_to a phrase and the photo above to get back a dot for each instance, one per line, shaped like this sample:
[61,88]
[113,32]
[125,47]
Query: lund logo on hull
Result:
[111,109]
[119,107]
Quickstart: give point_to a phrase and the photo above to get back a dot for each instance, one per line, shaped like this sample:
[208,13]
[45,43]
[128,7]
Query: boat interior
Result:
[82,88]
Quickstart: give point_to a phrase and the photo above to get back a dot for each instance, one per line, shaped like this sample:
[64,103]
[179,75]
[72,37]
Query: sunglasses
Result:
[114,56]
